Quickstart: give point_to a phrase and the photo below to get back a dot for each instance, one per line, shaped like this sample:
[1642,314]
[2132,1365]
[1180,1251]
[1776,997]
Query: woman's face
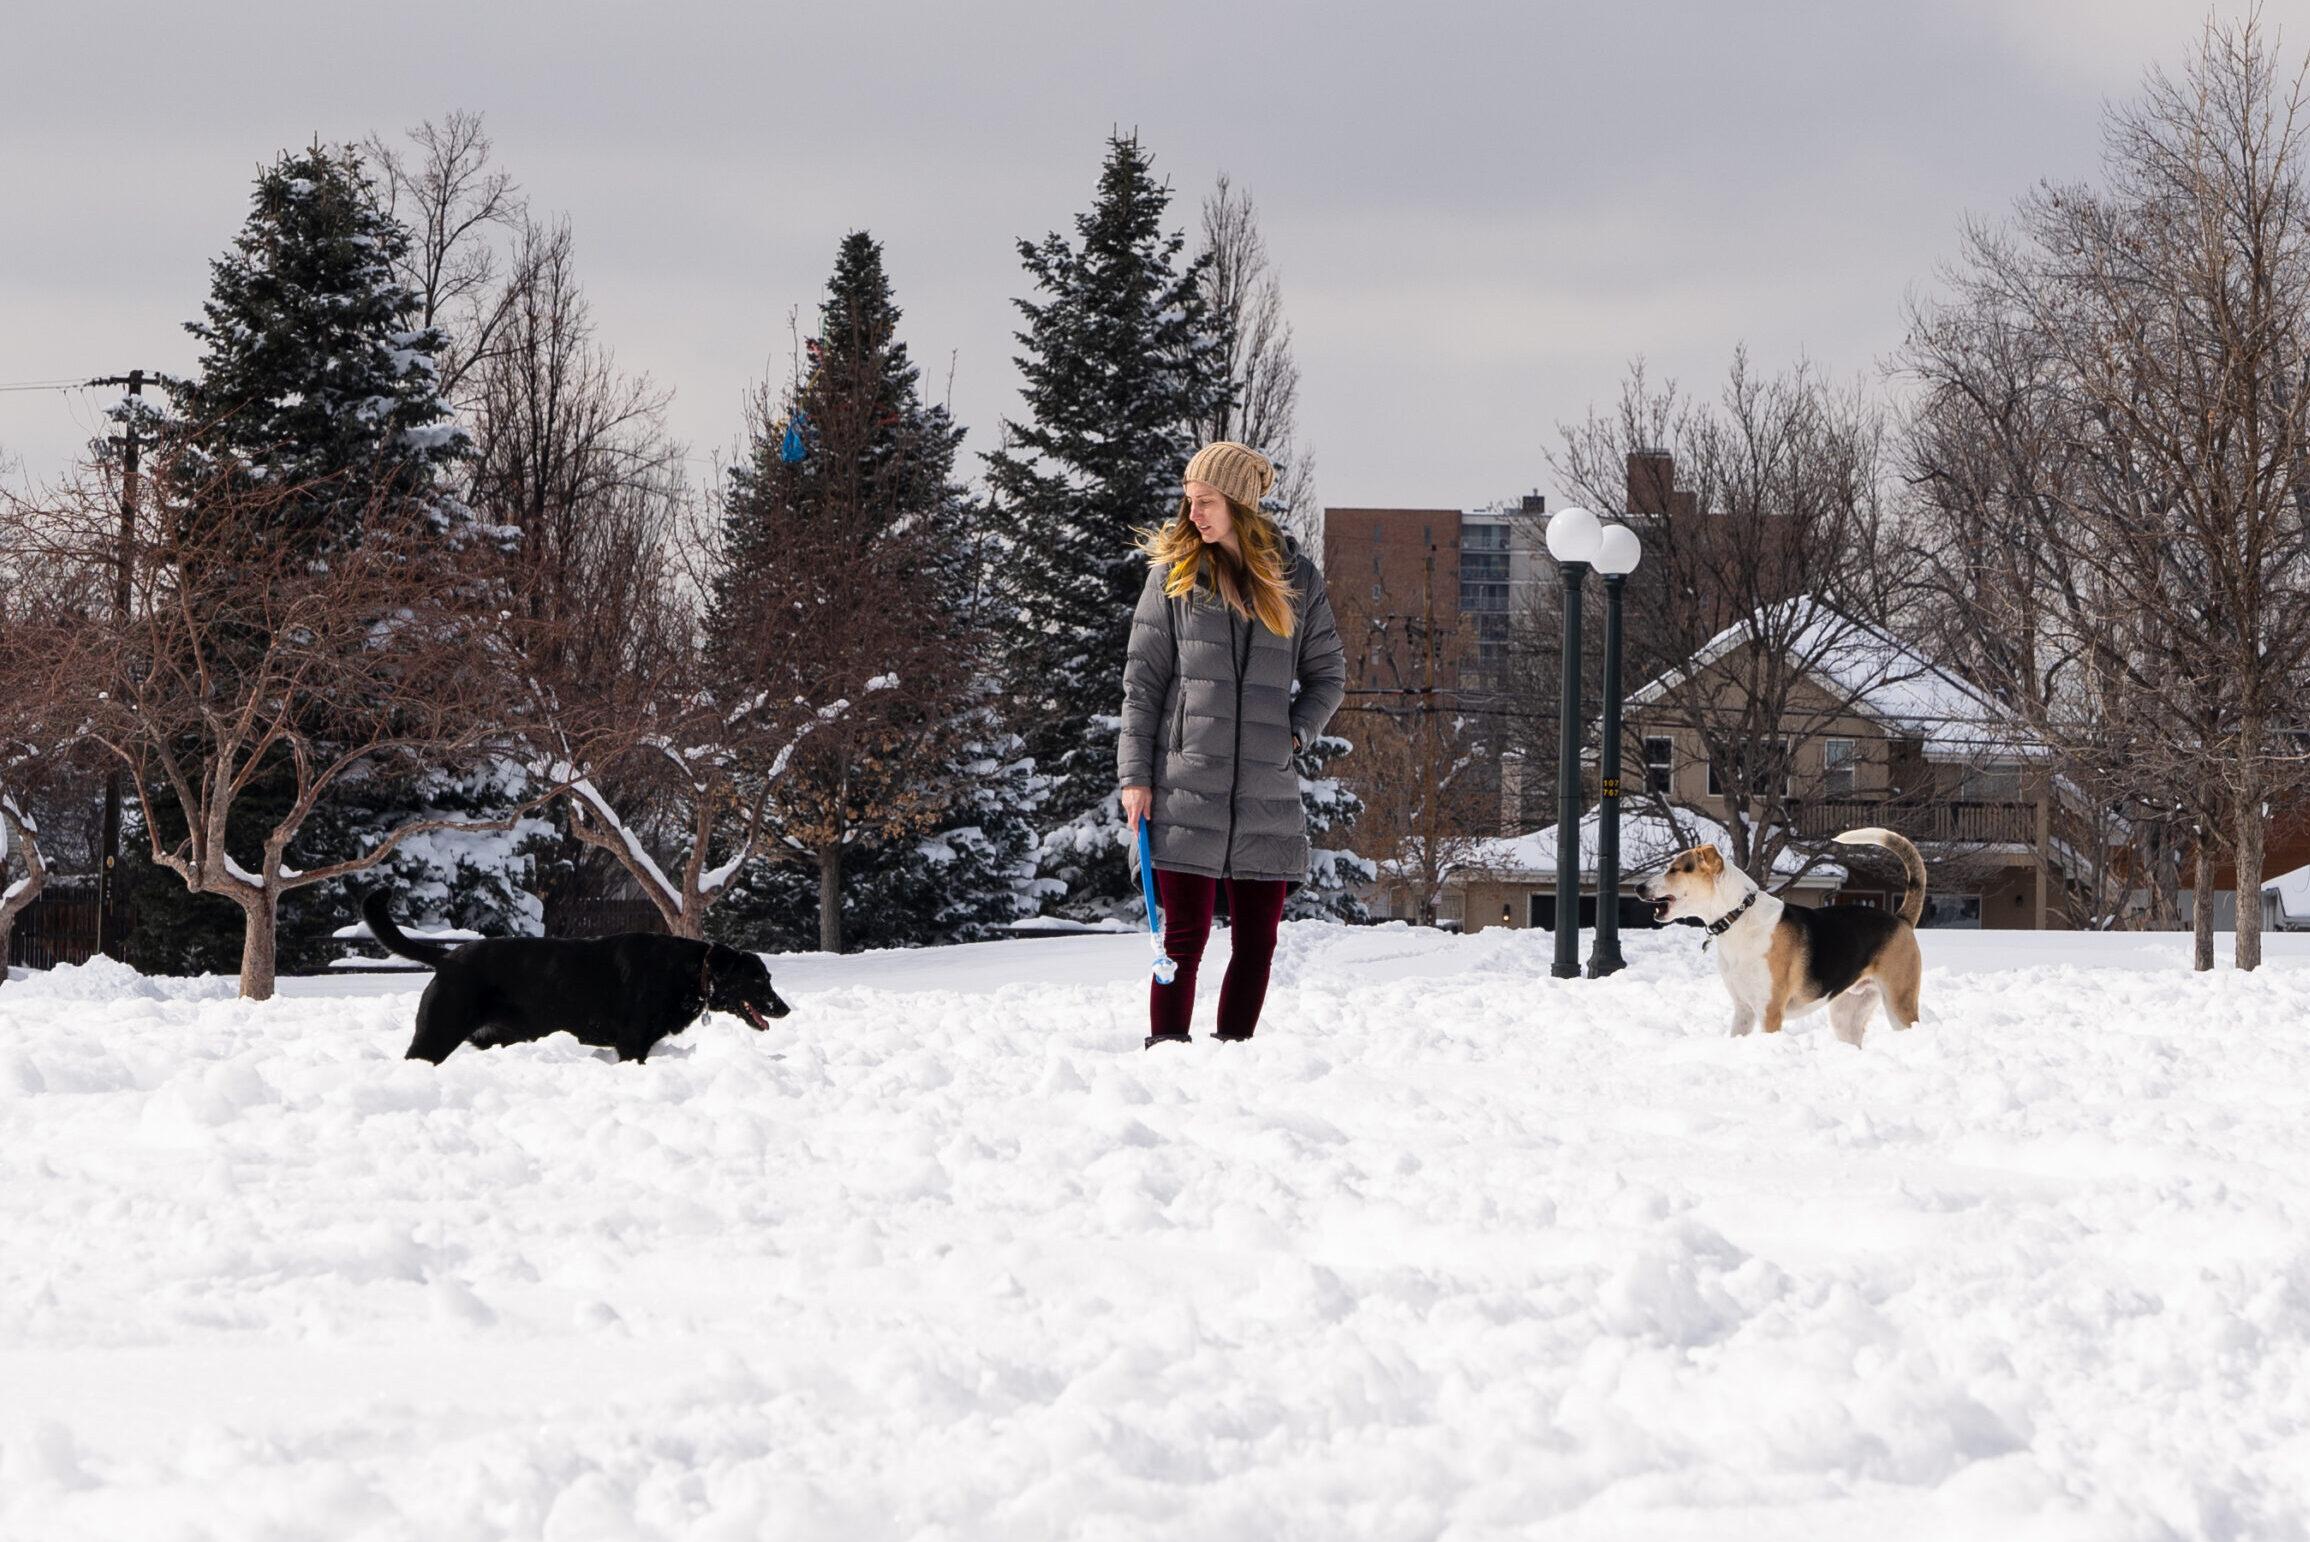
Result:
[1207,507]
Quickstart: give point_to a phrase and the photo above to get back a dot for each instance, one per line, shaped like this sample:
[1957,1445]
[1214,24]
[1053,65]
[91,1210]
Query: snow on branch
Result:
[566,777]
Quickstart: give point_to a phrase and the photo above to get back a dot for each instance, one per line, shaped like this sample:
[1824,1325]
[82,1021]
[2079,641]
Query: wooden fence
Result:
[60,927]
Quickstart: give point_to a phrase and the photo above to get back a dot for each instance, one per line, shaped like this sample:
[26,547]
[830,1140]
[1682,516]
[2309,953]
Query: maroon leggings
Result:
[1254,906]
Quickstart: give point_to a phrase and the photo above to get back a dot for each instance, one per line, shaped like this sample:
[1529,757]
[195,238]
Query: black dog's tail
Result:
[376,910]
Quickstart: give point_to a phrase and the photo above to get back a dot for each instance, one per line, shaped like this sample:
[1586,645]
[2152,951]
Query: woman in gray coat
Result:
[1233,617]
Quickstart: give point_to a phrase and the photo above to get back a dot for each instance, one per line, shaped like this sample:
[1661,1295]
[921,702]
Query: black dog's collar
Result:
[1723,923]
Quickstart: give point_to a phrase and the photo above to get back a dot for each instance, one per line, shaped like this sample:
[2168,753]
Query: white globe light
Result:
[1573,535]
[1618,551]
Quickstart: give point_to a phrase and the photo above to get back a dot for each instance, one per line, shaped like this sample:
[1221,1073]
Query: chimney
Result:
[1651,481]
[1511,792]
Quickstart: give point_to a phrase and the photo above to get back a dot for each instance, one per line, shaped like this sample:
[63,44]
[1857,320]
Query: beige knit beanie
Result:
[1237,470]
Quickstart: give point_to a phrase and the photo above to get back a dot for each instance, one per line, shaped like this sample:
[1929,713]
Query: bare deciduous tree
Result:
[567,448]
[38,731]
[28,741]
[1245,296]
[1770,570]
[2116,396]
[245,655]
[1995,463]
[699,747]
[1419,758]
[574,455]
[459,207]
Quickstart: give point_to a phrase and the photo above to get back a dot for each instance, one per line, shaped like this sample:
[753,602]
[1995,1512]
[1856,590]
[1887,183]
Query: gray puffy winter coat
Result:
[1208,720]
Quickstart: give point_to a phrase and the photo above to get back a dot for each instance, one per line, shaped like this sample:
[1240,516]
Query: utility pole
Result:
[108,940]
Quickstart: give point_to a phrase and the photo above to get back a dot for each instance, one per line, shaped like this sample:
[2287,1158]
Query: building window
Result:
[1659,765]
[1951,910]
[1484,568]
[1777,751]
[1838,758]
[1997,782]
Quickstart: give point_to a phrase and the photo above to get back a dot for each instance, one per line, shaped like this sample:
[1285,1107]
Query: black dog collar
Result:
[1723,923]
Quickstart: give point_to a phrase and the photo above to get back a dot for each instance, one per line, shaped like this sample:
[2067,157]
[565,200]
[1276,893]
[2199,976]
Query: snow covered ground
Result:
[1453,1250]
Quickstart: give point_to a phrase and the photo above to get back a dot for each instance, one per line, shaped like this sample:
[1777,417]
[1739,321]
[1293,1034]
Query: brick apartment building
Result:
[1426,598]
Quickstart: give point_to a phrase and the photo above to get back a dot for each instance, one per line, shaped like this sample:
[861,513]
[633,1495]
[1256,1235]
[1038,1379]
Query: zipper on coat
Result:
[1242,657]
[1179,678]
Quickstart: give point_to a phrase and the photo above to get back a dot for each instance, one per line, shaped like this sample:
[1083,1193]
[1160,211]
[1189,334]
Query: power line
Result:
[46,385]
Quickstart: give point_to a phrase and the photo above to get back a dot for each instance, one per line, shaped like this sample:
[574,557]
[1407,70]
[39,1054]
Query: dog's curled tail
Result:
[376,909]
[1912,865]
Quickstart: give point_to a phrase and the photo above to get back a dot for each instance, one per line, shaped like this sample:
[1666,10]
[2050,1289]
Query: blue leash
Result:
[1166,968]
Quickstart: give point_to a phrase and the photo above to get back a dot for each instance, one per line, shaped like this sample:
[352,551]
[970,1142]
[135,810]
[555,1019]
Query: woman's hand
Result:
[1138,803]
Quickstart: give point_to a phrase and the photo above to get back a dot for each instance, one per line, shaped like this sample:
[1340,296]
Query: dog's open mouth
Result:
[1660,908]
[754,1014]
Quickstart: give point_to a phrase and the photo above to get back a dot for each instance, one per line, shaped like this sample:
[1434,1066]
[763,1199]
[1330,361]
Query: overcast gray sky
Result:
[1480,212]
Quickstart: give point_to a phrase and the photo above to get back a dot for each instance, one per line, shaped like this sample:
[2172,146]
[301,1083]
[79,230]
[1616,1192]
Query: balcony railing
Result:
[1922,820]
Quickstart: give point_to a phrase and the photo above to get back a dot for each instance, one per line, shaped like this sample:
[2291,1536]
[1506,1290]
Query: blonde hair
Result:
[1254,586]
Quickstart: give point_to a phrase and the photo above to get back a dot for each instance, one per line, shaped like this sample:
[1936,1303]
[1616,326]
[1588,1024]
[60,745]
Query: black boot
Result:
[1154,1039]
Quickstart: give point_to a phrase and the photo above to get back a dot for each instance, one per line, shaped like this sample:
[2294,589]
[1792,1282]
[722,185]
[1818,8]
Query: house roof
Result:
[1647,841]
[2292,892]
[1879,674]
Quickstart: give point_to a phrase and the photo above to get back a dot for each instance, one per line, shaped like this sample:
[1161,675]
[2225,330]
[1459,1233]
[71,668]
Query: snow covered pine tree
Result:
[1121,362]
[908,821]
[1332,807]
[311,377]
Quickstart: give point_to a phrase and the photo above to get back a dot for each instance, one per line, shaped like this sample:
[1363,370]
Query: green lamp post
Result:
[1617,553]
[1574,539]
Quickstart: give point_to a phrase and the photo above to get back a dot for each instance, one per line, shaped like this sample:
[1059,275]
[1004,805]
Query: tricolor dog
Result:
[1781,960]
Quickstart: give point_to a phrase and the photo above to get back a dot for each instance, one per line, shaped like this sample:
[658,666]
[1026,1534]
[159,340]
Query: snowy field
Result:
[1452,1250]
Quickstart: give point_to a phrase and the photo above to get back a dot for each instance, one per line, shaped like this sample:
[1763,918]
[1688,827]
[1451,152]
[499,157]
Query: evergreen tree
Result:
[309,371]
[1121,362]
[976,869]
[907,821]
[1332,807]
[311,375]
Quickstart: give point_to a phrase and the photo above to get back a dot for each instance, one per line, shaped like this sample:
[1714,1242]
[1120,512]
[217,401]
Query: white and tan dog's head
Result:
[1693,884]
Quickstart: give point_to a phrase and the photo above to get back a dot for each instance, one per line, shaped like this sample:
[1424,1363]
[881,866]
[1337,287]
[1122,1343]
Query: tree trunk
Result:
[2202,908]
[2166,880]
[830,898]
[259,937]
[2247,855]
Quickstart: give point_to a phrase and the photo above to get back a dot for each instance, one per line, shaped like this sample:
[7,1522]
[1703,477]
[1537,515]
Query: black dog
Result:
[623,993]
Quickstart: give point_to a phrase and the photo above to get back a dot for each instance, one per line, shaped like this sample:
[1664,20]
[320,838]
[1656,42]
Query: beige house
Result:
[1869,732]
[1511,880]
